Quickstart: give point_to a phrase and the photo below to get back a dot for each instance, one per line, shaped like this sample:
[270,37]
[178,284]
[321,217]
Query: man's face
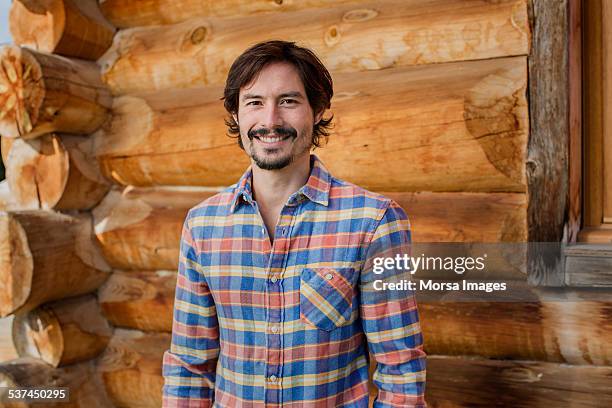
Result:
[275,117]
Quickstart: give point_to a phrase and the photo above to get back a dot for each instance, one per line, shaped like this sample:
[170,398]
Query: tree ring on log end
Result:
[16,265]
[359,15]
[22,91]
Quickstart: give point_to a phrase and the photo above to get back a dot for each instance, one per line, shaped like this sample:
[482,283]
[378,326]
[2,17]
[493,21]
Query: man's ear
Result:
[318,117]
[235,117]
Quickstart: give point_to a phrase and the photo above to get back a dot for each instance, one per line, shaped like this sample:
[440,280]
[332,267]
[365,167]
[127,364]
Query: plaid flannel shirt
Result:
[292,323]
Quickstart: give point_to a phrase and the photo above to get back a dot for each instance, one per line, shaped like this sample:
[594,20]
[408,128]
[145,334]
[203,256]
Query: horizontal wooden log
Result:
[46,256]
[574,331]
[465,382]
[472,217]
[348,38]
[570,327]
[63,332]
[467,119]
[53,172]
[131,368]
[73,28]
[84,384]
[43,93]
[451,381]
[140,228]
[134,13]
[140,300]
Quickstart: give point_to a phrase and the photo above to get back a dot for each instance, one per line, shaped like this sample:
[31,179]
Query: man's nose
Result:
[272,117]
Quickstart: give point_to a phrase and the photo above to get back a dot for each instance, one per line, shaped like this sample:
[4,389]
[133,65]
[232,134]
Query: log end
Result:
[37,25]
[22,92]
[16,265]
[38,334]
[37,171]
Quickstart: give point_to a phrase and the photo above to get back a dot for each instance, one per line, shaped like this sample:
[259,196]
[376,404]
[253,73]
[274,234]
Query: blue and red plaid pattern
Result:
[291,323]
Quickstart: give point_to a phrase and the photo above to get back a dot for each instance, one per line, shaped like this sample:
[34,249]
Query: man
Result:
[274,302]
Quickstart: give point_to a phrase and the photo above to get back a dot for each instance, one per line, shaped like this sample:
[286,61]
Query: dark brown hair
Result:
[315,77]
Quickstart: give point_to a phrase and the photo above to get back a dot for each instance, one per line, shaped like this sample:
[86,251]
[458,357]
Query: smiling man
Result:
[274,301]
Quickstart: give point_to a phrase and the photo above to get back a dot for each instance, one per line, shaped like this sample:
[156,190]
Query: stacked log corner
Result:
[82,381]
[54,172]
[63,332]
[47,256]
[42,93]
[51,99]
[72,28]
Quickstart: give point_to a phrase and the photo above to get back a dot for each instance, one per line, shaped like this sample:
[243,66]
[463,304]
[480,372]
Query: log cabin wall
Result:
[440,104]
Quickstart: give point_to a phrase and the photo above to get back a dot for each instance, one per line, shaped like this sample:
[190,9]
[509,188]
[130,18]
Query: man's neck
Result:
[272,189]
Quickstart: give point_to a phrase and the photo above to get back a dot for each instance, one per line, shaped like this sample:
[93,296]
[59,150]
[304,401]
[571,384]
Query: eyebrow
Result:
[292,94]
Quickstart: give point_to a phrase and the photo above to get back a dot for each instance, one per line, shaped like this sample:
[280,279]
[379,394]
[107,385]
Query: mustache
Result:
[280,131]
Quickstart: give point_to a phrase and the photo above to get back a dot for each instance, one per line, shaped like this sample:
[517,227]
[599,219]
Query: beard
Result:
[274,163]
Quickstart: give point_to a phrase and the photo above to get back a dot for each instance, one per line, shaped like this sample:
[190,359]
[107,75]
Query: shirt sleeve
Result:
[190,363]
[390,318]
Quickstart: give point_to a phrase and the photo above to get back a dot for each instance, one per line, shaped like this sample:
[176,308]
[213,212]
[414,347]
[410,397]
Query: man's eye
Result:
[288,101]
[252,103]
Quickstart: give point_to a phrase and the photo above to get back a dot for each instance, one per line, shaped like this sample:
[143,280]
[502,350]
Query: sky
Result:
[5,36]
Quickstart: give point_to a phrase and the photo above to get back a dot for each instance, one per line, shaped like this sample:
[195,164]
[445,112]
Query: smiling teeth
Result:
[271,139]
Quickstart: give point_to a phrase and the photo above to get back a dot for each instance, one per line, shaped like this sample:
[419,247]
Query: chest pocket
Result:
[326,296]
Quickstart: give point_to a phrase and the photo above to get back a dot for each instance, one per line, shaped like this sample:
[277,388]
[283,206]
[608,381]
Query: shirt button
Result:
[272,378]
[329,276]
[273,279]
[274,329]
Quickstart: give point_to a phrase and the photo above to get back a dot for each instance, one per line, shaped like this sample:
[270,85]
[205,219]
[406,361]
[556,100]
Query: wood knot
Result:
[198,35]
[332,36]
[532,167]
[522,374]
[359,15]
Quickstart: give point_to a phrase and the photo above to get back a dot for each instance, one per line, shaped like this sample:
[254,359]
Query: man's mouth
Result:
[272,139]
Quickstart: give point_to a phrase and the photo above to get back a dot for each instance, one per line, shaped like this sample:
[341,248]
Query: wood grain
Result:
[447,127]
[131,367]
[140,300]
[125,221]
[42,93]
[547,152]
[347,38]
[64,332]
[73,28]
[54,172]
[46,256]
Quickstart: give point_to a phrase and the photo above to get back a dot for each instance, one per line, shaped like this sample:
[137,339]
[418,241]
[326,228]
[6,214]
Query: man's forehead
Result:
[278,78]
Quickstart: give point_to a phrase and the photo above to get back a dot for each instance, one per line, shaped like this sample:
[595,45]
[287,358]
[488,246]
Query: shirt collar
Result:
[316,188]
